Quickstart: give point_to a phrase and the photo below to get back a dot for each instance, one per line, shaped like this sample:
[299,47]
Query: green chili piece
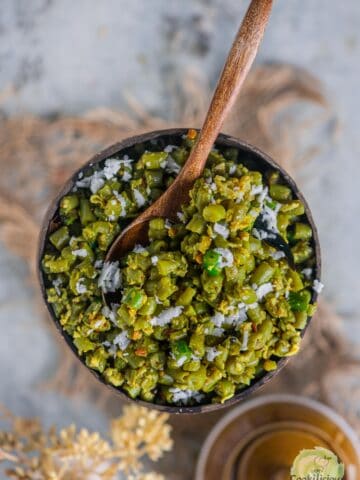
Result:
[299,301]
[181,351]
[211,263]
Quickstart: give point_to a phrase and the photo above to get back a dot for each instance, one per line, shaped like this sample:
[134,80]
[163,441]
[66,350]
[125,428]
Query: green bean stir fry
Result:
[208,306]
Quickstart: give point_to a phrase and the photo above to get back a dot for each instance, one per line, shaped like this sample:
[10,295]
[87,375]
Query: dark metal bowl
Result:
[250,157]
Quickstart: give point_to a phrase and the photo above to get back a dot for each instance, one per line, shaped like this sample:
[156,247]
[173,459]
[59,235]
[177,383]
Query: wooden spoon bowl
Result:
[252,158]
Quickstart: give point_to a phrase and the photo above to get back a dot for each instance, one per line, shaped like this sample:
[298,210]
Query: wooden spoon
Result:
[237,66]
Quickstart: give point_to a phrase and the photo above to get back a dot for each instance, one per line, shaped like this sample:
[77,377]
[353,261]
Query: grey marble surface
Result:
[66,56]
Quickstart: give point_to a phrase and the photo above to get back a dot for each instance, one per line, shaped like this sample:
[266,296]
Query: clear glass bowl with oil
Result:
[260,439]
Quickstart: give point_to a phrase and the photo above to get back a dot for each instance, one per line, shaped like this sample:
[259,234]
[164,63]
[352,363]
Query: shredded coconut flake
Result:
[211,353]
[261,234]
[307,272]
[110,314]
[122,340]
[97,179]
[126,176]
[166,316]
[278,255]
[169,148]
[263,195]
[184,396]
[318,286]
[112,166]
[96,182]
[257,189]
[181,361]
[139,198]
[270,217]
[98,264]
[122,201]
[171,166]
[72,241]
[56,284]
[154,260]
[218,319]
[181,217]
[263,290]
[244,345]
[221,230]
[227,258]
[81,252]
[232,169]
[110,277]
[241,316]
[217,332]
[238,317]
[139,249]
[110,347]
[80,287]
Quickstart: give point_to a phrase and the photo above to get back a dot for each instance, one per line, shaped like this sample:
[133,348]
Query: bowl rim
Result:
[273,398]
[222,140]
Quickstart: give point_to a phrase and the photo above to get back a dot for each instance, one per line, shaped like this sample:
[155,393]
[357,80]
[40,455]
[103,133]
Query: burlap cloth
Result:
[38,155]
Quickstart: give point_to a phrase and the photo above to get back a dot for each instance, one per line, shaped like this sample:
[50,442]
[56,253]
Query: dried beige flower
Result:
[72,454]
[140,430]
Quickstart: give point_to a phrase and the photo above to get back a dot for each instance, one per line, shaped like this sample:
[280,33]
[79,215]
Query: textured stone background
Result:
[66,56]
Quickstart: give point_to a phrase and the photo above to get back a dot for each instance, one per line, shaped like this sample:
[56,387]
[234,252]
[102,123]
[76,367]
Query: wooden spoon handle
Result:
[236,68]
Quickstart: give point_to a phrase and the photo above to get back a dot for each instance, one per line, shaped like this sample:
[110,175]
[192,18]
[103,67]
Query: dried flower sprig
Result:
[34,453]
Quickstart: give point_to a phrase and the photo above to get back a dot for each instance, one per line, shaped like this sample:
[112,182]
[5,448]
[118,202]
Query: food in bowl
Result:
[208,306]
